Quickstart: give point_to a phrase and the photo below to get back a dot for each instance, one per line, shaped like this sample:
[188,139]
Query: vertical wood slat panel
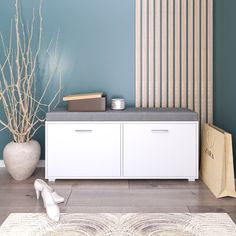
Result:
[184,53]
[170,53]
[144,52]
[210,61]
[203,61]
[157,53]
[174,53]
[190,54]
[177,53]
[138,52]
[151,54]
[164,54]
[196,55]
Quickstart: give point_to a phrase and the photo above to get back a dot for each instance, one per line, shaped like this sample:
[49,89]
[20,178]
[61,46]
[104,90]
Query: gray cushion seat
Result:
[129,114]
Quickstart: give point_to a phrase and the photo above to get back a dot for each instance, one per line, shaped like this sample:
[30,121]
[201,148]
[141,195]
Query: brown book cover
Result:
[82,96]
[94,104]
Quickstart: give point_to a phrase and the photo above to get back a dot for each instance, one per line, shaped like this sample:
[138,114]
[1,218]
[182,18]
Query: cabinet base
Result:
[51,180]
[191,180]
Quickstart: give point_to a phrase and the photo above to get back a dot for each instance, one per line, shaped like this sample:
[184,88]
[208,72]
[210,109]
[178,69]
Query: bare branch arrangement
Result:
[23,107]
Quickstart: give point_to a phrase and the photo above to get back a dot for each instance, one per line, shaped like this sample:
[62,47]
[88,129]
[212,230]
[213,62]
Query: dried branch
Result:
[23,108]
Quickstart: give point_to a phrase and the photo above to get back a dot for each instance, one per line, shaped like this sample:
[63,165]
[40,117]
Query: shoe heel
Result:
[37,193]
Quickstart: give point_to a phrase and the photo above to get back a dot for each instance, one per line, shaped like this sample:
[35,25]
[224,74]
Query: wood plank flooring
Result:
[113,196]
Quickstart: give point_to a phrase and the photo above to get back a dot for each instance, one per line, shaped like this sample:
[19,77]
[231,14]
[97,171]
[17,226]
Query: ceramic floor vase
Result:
[21,159]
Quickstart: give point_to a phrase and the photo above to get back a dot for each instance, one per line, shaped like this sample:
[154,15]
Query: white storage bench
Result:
[129,144]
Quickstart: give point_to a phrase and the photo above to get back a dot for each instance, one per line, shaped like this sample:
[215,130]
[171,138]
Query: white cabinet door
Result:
[160,150]
[83,150]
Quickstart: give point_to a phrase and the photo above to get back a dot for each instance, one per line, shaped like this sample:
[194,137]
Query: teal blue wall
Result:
[96,44]
[97,49]
[225,66]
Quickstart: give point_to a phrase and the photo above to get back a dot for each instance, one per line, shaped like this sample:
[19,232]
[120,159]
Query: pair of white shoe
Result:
[50,199]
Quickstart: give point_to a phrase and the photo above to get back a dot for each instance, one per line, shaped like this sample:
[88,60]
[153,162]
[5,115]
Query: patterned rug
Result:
[137,224]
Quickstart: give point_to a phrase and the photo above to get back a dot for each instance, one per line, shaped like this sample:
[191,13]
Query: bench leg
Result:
[191,180]
[51,180]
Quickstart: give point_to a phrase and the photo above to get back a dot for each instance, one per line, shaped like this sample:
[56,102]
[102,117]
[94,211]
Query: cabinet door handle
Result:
[160,130]
[83,131]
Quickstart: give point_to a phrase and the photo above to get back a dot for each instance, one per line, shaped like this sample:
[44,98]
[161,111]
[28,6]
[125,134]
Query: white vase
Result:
[21,159]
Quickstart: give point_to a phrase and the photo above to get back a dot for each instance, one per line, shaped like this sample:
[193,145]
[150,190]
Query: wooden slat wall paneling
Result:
[174,55]
[151,54]
[157,53]
[203,61]
[164,54]
[210,61]
[138,51]
[177,53]
[190,54]
[144,52]
[170,53]
[184,53]
[196,55]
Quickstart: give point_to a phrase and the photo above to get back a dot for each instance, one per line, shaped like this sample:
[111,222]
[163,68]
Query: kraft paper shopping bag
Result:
[217,169]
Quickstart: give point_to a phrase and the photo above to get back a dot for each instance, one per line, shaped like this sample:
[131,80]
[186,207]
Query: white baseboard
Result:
[40,164]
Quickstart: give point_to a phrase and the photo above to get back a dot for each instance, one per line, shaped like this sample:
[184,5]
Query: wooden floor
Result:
[113,196]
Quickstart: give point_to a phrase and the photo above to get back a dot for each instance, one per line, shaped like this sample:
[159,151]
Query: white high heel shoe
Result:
[52,208]
[39,185]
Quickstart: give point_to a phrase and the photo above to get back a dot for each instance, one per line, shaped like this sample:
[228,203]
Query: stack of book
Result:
[86,102]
